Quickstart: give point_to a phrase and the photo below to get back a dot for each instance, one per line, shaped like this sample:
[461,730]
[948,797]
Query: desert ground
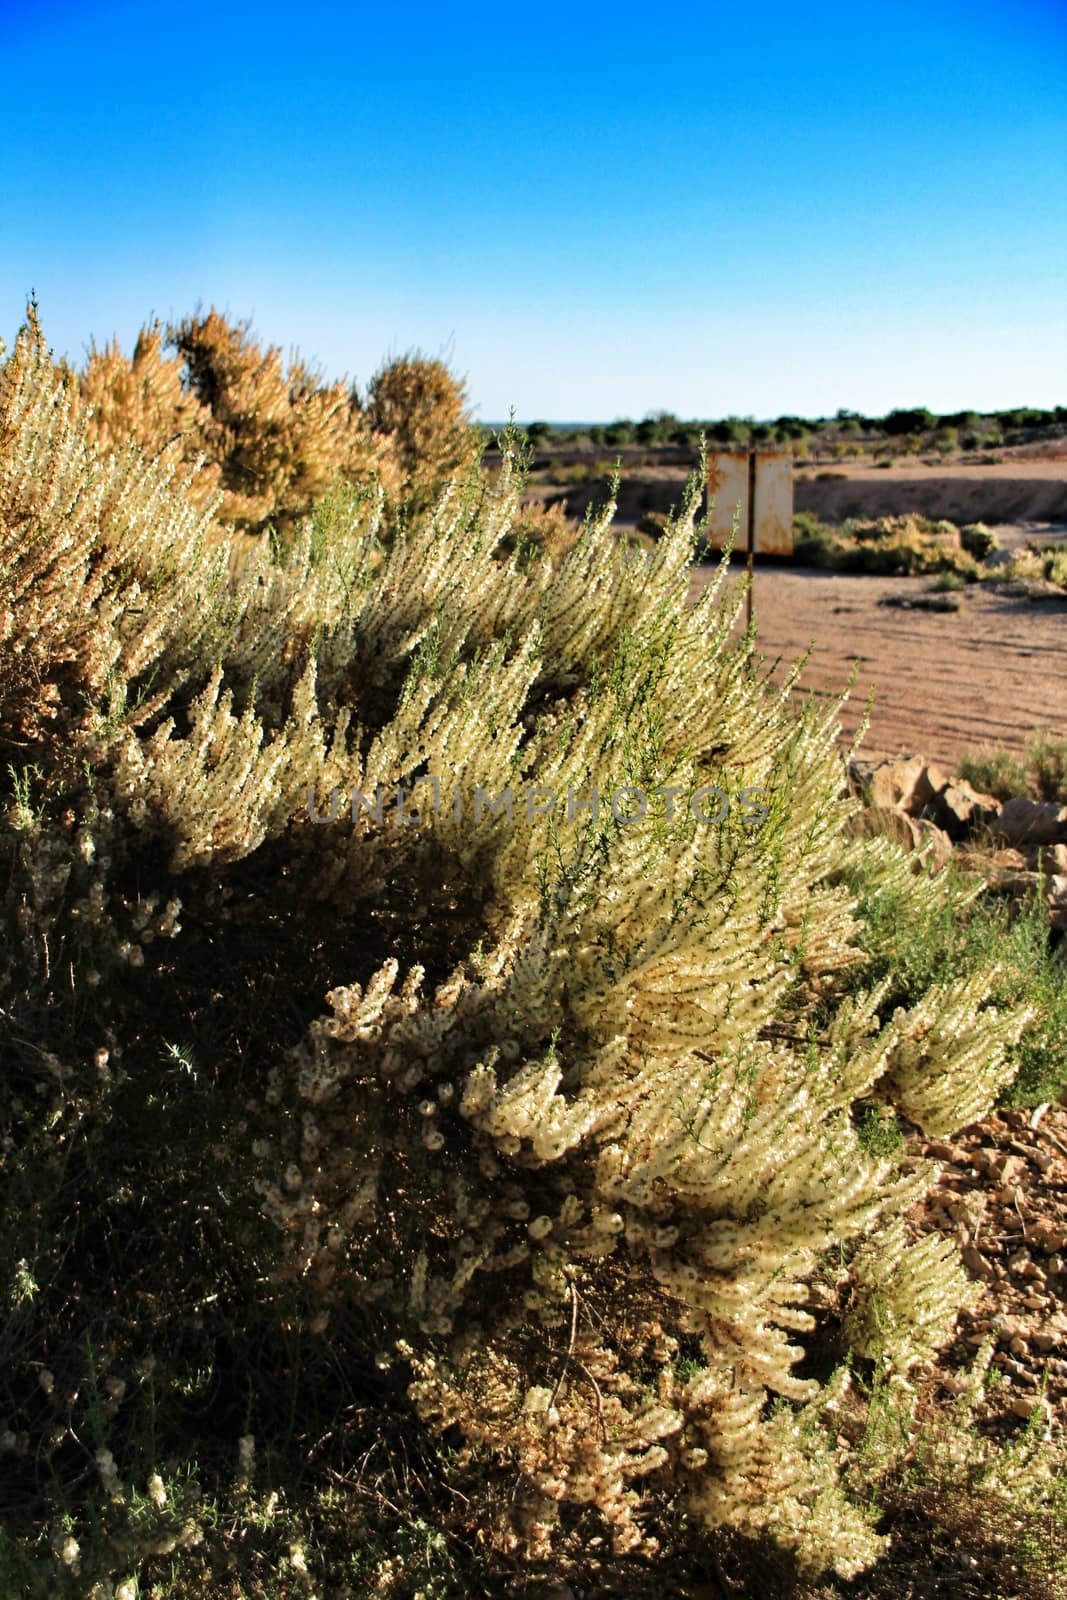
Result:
[945,683]
[1015,489]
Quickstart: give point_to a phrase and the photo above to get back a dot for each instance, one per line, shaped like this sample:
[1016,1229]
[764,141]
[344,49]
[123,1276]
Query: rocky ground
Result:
[1003,1195]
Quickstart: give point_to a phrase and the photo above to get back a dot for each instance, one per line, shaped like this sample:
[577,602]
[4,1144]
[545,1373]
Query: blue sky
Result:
[702,208]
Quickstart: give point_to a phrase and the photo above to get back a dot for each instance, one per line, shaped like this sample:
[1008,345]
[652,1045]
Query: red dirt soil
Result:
[946,683]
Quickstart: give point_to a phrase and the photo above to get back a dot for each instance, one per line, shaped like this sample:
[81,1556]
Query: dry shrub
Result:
[905,545]
[542,531]
[422,409]
[274,437]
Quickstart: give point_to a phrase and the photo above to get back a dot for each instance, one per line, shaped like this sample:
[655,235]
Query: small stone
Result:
[941,1150]
[1022,1407]
[975,1262]
[1045,1341]
[1047,1235]
[1019,1347]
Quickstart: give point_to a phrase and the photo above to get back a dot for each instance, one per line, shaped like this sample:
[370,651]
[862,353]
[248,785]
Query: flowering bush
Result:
[534,1148]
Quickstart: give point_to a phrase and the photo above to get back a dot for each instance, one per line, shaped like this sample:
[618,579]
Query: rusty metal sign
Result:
[728,511]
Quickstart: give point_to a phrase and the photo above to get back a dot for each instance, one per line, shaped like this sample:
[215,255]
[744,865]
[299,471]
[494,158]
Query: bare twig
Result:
[599,1400]
[570,1347]
[1043,1133]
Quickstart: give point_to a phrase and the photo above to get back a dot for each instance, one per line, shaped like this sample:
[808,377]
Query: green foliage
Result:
[901,422]
[889,546]
[978,540]
[997,772]
[960,931]
[879,1131]
[1040,774]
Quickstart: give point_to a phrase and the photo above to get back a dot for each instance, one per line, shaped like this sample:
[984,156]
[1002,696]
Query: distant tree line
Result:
[967,430]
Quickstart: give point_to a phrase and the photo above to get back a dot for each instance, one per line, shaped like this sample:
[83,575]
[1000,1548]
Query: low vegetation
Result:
[1040,774]
[899,546]
[962,929]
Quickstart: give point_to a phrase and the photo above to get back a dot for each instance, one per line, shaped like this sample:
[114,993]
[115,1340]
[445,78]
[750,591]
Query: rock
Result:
[959,809]
[1046,858]
[934,844]
[931,781]
[1047,1235]
[1009,1169]
[893,784]
[1020,1406]
[1029,822]
[1039,589]
[941,1150]
[1020,884]
[887,820]
[975,1262]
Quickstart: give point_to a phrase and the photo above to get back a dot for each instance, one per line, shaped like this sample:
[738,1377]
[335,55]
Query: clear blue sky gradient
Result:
[702,208]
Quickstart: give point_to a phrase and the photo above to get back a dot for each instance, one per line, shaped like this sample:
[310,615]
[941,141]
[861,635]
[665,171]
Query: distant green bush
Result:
[1041,774]
[885,546]
[978,540]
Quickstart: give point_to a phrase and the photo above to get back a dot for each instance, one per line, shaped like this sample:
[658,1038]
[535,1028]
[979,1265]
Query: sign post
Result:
[753,489]
[750,549]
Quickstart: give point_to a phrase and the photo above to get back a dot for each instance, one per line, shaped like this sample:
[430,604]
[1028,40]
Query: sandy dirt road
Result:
[945,683]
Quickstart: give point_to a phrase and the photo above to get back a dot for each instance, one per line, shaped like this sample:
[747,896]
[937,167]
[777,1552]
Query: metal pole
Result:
[749,567]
